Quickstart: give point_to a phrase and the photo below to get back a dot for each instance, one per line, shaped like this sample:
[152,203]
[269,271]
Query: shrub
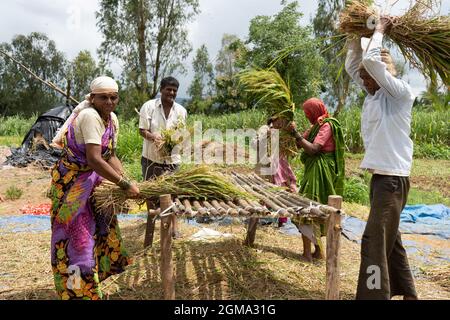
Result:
[13,193]
[356,191]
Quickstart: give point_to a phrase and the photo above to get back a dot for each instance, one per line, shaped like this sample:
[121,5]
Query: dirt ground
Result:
[33,181]
[223,270]
[426,175]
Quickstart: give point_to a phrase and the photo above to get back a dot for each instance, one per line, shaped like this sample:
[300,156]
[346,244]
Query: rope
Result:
[165,214]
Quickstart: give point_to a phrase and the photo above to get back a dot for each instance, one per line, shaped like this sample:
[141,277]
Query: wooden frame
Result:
[166,266]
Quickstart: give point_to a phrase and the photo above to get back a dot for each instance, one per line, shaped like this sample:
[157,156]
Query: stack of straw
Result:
[422,37]
[200,182]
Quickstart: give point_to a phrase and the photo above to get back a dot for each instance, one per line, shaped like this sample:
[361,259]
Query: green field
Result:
[430,132]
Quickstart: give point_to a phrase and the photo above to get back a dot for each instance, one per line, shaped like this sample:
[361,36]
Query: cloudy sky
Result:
[72,24]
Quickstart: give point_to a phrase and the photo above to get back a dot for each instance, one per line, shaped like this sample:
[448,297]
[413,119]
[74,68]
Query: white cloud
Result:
[72,23]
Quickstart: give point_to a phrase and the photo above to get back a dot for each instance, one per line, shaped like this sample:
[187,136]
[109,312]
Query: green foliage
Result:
[432,151]
[13,193]
[131,99]
[129,146]
[241,120]
[434,100]
[356,190]
[146,37]
[337,81]
[417,196]
[20,92]
[10,141]
[351,124]
[431,127]
[16,125]
[81,72]
[203,84]
[133,170]
[268,36]
[229,95]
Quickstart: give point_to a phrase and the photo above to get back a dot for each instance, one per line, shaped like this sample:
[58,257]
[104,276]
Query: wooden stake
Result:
[333,250]
[251,232]
[168,281]
[150,228]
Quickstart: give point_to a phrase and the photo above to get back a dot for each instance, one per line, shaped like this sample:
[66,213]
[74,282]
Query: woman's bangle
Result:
[124,184]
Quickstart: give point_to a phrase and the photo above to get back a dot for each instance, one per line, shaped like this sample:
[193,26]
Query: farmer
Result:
[323,157]
[283,175]
[155,116]
[86,245]
[385,128]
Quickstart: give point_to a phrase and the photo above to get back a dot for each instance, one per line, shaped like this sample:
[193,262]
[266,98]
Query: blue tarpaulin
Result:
[31,223]
[430,220]
[420,219]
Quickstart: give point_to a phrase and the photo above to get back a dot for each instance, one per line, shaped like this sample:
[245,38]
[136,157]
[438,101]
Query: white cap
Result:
[104,85]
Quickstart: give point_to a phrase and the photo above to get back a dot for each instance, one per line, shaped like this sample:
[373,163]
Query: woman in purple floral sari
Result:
[86,245]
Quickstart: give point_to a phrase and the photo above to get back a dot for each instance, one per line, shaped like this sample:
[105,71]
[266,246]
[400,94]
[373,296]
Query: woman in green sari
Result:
[323,157]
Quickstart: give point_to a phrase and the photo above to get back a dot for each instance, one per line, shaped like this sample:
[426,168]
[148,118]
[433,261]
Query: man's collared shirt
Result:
[152,118]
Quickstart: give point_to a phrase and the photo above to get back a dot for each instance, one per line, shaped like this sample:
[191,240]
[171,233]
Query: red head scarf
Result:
[315,110]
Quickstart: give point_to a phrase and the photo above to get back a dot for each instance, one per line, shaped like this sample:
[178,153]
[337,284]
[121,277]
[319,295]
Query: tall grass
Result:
[129,147]
[430,130]
[16,125]
[243,120]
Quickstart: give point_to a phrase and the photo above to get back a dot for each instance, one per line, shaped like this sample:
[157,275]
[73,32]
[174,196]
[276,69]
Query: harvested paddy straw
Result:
[200,182]
[171,138]
[421,35]
[269,89]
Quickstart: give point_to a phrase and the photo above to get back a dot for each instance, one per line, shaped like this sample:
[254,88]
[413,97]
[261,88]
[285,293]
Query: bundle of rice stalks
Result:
[199,182]
[422,37]
[270,91]
[171,138]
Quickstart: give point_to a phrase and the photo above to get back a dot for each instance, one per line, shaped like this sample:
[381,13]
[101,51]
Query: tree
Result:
[148,37]
[203,83]
[269,36]
[338,83]
[83,70]
[228,94]
[20,92]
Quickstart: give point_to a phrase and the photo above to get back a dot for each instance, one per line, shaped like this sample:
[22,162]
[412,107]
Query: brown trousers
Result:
[384,270]
[152,170]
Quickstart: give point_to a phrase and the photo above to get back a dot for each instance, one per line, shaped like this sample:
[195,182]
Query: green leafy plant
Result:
[13,193]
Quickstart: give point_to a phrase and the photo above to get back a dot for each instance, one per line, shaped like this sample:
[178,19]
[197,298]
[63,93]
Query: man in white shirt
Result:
[385,127]
[155,116]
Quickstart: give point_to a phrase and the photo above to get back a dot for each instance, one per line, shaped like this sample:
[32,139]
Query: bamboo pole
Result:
[168,281]
[261,191]
[240,211]
[218,207]
[188,207]
[230,210]
[211,209]
[180,206]
[268,202]
[47,83]
[333,250]
[202,211]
